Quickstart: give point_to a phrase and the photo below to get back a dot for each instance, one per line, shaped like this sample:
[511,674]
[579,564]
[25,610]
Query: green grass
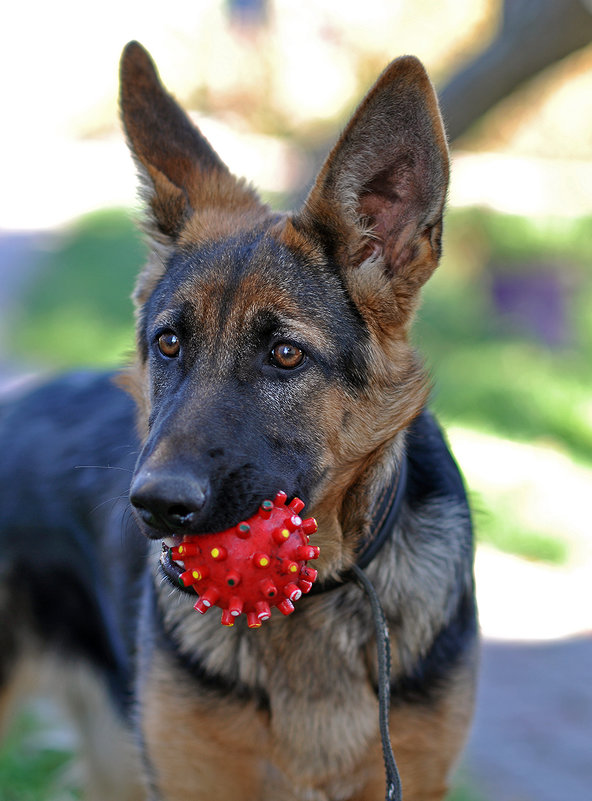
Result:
[515,389]
[464,793]
[496,525]
[483,235]
[30,770]
[78,309]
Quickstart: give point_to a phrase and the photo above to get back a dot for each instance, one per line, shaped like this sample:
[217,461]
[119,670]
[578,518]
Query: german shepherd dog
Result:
[272,354]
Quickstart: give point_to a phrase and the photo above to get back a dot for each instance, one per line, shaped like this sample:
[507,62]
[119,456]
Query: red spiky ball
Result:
[253,566]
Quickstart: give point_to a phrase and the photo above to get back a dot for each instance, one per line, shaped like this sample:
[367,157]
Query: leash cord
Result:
[393,780]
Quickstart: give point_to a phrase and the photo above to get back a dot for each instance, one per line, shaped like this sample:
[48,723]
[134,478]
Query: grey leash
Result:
[393,781]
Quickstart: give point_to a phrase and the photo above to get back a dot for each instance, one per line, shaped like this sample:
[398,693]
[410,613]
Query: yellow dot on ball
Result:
[264,562]
[196,574]
[215,553]
[293,568]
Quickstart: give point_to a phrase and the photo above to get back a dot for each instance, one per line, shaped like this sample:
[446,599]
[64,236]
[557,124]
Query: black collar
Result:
[381,527]
[384,517]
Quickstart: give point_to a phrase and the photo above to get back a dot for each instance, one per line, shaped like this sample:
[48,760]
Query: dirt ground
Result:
[532,734]
[532,738]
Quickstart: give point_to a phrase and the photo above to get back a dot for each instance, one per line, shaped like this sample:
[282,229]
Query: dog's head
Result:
[272,350]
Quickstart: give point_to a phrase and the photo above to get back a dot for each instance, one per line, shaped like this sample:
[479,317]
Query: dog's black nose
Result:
[168,500]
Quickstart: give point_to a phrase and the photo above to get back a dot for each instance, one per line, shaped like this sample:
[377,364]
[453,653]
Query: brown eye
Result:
[287,356]
[168,344]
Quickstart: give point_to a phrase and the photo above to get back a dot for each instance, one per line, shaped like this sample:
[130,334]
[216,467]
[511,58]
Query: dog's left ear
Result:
[377,203]
[183,176]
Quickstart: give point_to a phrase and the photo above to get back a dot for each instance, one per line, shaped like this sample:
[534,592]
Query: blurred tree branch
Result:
[534,34]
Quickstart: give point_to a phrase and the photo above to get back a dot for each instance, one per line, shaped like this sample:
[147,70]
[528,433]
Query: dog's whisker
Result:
[112,500]
[103,467]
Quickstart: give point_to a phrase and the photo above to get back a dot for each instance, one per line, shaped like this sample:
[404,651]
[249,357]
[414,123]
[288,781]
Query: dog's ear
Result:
[181,172]
[377,203]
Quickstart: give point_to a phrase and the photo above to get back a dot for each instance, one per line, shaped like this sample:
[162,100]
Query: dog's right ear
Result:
[183,176]
[377,203]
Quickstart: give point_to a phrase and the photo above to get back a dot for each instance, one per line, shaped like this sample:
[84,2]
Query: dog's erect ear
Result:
[181,171]
[378,201]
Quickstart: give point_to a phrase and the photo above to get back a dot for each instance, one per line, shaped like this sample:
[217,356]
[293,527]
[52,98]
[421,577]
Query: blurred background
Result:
[506,323]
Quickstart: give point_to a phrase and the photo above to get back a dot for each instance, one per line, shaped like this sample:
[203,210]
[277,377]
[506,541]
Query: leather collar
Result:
[381,527]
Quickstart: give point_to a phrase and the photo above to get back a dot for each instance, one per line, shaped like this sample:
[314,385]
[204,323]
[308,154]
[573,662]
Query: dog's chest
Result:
[312,670]
[322,703]
[323,713]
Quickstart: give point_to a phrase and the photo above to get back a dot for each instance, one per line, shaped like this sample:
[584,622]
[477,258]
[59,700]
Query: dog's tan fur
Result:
[343,761]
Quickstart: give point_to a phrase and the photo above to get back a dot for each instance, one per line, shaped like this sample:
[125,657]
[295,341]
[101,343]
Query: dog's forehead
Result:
[238,278]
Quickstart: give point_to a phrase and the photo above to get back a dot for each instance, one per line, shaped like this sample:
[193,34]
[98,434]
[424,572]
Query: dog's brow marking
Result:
[254,298]
[165,318]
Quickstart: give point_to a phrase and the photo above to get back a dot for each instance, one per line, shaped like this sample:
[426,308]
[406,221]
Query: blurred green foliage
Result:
[30,771]
[78,308]
[464,792]
[496,524]
[490,371]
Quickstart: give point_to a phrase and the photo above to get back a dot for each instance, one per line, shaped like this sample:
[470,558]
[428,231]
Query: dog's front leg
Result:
[198,744]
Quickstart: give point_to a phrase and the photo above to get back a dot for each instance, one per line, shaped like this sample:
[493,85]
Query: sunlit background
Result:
[506,324]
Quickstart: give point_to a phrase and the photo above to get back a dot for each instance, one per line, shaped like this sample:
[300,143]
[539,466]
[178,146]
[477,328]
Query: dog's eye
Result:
[287,356]
[169,344]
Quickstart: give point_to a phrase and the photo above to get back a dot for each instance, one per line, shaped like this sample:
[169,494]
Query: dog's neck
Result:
[384,516]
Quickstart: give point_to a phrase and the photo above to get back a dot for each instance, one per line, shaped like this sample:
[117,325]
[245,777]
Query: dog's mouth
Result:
[171,568]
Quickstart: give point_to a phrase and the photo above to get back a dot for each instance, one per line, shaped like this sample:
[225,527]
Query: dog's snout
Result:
[168,500]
